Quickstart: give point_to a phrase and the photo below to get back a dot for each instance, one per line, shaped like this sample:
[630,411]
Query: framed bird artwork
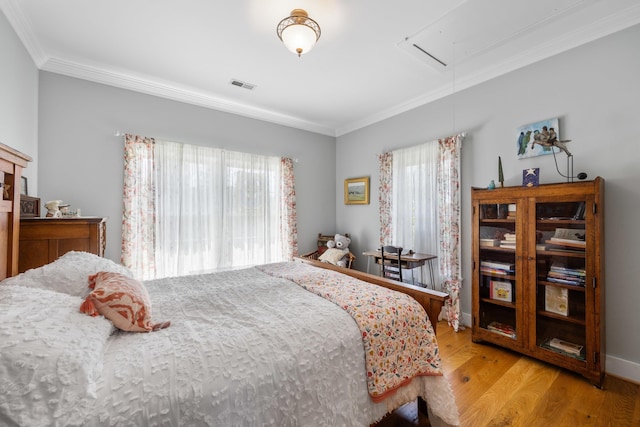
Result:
[540,138]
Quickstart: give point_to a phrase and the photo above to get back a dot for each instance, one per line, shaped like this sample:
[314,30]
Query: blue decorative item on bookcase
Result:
[531,177]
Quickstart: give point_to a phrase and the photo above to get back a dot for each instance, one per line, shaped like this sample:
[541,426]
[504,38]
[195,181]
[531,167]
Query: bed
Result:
[248,347]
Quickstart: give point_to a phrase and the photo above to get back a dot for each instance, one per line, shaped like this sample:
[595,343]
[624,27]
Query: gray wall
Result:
[81,159]
[18,99]
[595,91]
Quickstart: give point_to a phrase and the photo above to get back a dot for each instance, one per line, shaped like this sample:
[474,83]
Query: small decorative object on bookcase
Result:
[500,173]
[501,290]
[556,300]
[531,177]
[5,190]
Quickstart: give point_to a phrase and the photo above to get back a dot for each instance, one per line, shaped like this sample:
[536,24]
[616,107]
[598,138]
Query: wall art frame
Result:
[529,138]
[356,191]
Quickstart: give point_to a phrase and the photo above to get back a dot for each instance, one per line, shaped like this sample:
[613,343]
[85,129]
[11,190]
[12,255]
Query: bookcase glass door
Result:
[561,275]
[498,296]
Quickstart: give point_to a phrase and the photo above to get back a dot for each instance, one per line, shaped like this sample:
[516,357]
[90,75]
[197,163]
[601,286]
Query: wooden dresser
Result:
[43,240]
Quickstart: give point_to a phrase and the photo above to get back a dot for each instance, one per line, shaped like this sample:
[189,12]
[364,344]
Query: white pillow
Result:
[68,274]
[333,255]
[50,357]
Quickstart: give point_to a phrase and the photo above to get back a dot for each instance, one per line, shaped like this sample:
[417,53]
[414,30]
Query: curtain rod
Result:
[118,133]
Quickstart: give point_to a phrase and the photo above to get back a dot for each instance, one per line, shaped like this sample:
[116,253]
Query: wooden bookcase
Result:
[540,287]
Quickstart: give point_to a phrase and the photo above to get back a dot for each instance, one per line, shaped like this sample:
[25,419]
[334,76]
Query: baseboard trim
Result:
[622,368]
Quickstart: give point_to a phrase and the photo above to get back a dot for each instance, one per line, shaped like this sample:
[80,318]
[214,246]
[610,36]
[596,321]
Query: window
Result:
[414,206]
[210,210]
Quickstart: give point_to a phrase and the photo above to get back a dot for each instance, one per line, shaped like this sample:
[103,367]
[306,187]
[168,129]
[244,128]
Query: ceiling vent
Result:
[248,86]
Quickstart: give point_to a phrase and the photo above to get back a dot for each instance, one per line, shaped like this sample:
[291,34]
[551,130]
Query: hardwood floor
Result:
[497,387]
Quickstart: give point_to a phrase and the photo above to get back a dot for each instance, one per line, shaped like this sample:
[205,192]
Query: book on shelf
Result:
[580,211]
[488,270]
[574,236]
[562,268]
[566,346]
[541,247]
[511,213]
[560,273]
[510,236]
[502,329]
[499,265]
[489,242]
[552,248]
[556,300]
[501,290]
[566,281]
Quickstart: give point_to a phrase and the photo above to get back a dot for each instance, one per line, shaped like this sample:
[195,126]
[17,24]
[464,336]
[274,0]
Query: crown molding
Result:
[23,28]
[150,86]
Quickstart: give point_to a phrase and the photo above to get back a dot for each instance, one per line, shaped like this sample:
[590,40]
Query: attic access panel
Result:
[476,26]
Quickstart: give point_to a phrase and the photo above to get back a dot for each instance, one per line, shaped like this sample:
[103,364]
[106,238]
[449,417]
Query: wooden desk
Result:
[412,261]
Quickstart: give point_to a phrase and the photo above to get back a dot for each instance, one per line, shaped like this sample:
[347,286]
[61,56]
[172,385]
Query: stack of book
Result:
[564,347]
[502,329]
[489,242]
[497,267]
[560,273]
[509,241]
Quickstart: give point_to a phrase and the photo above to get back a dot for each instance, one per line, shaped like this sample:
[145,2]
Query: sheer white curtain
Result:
[215,209]
[414,206]
[211,210]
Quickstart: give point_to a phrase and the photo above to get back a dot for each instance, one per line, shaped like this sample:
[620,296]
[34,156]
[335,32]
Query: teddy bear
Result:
[338,252]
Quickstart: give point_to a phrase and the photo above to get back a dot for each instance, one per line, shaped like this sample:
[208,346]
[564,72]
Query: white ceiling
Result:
[364,68]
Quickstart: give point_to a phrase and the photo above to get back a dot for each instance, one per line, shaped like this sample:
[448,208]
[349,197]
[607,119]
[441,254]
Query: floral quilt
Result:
[398,338]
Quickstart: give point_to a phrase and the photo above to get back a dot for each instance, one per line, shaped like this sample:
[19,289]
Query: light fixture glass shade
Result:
[298,32]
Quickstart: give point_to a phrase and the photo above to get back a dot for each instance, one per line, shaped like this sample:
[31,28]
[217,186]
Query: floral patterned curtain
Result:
[138,214]
[449,219]
[289,222]
[385,197]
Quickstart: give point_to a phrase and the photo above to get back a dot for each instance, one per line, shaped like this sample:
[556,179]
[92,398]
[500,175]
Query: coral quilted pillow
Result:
[121,299]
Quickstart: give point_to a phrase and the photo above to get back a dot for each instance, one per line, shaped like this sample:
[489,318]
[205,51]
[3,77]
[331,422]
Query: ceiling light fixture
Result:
[298,32]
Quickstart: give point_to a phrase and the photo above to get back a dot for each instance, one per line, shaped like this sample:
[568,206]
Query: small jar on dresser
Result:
[43,240]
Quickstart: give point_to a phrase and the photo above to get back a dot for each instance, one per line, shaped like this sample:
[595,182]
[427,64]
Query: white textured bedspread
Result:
[246,349]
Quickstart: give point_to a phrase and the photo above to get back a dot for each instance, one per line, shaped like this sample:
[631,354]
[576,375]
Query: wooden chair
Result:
[322,246]
[390,264]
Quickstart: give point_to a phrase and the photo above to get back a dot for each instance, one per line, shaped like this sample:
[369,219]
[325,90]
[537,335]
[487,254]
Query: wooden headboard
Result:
[11,164]
[431,300]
